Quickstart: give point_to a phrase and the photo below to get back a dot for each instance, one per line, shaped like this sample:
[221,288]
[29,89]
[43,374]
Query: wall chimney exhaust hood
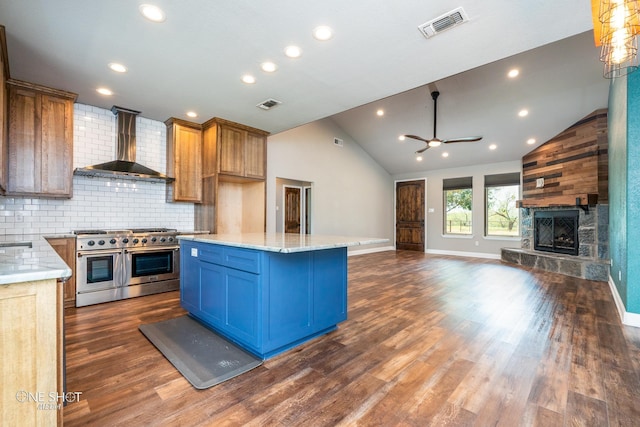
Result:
[125,165]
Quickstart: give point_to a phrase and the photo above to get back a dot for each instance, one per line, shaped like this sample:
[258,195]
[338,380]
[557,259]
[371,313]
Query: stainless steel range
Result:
[116,264]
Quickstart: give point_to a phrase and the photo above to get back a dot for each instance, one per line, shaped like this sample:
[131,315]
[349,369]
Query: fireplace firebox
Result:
[556,231]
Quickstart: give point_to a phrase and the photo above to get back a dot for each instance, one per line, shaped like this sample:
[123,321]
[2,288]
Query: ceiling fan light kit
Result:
[435,141]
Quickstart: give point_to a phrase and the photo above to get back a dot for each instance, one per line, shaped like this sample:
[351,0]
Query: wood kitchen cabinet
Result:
[4,75]
[65,247]
[233,176]
[239,150]
[31,349]
[40,141]
[184,161]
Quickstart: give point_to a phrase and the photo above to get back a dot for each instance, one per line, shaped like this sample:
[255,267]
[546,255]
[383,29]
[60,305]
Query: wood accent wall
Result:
[574,164]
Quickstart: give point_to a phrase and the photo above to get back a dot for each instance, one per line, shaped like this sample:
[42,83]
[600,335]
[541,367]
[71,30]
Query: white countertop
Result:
[29,257]
[285,243]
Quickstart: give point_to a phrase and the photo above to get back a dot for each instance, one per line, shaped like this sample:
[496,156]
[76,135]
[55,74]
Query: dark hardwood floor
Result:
[430,340]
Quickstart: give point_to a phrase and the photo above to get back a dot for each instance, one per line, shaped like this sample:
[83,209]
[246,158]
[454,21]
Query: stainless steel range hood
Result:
[125,165]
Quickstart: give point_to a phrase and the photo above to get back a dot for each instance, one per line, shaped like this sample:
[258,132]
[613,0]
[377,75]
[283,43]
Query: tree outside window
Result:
[502,216]
[458,206]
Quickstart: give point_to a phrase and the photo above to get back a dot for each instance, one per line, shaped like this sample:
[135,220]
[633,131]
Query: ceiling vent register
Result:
[268,104]
[444,22]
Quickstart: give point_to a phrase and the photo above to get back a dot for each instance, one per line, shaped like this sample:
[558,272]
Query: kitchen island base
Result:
[264,301]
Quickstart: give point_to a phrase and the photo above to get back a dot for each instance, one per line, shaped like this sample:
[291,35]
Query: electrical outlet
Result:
[540,183]
[477,243]
[620,275]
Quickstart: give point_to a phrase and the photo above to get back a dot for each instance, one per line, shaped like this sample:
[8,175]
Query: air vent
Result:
[268,104]
[338,142]
[444,22]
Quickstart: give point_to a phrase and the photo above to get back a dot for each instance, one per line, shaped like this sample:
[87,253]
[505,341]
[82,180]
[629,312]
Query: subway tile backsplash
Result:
[102,202]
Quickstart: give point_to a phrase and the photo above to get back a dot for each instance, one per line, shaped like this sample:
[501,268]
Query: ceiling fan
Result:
[435,141]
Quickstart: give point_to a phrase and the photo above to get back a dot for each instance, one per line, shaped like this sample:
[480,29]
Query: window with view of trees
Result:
[502,217]
[458,202]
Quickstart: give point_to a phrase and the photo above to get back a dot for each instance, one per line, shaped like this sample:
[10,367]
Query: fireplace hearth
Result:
[556,231]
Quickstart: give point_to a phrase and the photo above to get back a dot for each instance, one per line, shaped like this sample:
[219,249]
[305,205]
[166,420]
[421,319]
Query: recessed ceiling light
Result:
[104,91]
[322,33]
[152,13]
[531,141]
[380,112]
[268,67]
[513,73]
[192,114]
[118,68]
[445,154]
[419,158]
[248,79]
[523,113]
[401,138]
[493,147]
[293,51]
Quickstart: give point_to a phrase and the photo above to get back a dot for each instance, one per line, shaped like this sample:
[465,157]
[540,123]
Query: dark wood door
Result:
[410,215]
[292,210]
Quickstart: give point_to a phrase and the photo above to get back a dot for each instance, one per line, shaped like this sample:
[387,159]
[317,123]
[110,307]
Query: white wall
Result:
[351,194]
[476,244]
[102,202]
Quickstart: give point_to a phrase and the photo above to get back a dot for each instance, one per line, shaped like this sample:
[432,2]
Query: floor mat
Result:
[202,357]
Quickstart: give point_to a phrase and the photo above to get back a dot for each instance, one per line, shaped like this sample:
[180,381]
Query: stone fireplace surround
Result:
[592,261]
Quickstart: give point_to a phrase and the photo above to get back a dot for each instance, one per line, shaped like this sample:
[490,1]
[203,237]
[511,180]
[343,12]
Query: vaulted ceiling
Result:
[376,59]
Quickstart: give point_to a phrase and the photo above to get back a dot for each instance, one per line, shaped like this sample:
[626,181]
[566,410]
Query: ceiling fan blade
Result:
[419,138]
[465,139]
[422,150]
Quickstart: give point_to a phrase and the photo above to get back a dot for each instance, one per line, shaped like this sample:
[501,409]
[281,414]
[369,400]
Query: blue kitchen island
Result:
[266,292]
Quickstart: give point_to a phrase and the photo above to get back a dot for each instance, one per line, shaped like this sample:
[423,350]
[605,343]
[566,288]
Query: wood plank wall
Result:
[573,164]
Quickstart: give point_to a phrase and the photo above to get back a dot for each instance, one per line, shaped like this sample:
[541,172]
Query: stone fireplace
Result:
[564,209]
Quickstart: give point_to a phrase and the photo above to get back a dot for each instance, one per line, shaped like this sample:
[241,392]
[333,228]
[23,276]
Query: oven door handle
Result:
[149,250]
[99,252]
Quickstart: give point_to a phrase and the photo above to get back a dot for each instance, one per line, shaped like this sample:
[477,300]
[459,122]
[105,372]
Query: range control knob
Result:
[162,240]
[171,239]
[91,243]
[135,241]
[125,240]
[101,242]
[112,241]
[153,239]
[144,240]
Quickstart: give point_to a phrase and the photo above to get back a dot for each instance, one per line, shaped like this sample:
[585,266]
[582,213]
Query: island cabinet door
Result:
[288,310]
[330,287]
[213,293]
[242,290]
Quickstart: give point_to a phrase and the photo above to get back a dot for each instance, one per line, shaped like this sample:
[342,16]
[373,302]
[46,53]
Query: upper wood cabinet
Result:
[40,141]
[234,149]
[184,161]
[4,75]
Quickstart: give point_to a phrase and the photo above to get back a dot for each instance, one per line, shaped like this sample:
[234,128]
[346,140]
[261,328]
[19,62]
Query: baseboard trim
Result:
[370,250]
[629,319]
[463,254]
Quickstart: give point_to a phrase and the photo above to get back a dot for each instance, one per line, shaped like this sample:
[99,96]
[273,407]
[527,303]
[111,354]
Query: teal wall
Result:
[624,191]
[633,193]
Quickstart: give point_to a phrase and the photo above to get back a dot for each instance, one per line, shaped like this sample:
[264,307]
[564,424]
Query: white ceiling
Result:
[376,59]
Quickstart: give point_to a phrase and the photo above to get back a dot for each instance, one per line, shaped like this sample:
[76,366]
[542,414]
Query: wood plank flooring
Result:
[430,340]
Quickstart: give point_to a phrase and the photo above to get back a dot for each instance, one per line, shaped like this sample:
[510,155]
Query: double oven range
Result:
[116,264]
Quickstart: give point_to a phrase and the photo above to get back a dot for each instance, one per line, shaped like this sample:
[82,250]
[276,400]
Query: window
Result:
[502,217]
[458,202]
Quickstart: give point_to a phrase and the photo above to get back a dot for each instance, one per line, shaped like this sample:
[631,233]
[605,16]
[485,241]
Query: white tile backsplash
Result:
[102,202]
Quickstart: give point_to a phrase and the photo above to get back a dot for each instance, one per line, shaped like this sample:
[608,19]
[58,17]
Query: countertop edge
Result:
[13,271]
[349,242]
